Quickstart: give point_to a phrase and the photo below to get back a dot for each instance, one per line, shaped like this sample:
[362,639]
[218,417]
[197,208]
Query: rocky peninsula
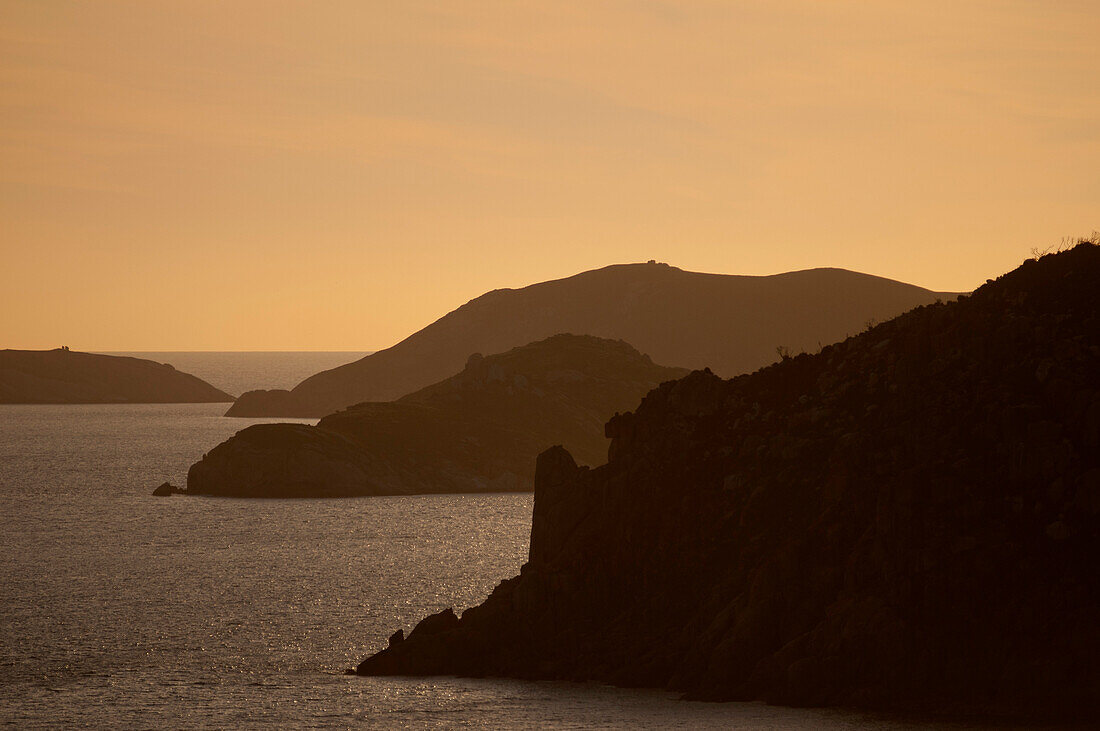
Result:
[907,520]
[731,324]
[478,431]
[63,376]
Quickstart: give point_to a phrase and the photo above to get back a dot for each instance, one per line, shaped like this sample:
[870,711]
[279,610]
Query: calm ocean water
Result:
[237,372]
[123,610]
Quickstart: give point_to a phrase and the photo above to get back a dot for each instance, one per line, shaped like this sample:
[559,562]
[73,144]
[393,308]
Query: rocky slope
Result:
[477,431]
[731,324]
[909,519]
[68,377]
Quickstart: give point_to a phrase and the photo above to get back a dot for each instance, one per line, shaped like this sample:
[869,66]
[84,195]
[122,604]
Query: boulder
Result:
[166,489]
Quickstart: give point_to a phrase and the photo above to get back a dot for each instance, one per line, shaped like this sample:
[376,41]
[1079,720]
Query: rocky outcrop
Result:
[731,324]
[65,376]
[166,489]
[278,403]
[477,431]
[283,460]
[909,519]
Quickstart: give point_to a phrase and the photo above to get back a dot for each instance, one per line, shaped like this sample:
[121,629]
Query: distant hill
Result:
[477,431]
[63,376]
[732,324]
[909,519]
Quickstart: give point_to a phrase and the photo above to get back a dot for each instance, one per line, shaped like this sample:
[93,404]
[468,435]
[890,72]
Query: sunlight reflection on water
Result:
[122,609]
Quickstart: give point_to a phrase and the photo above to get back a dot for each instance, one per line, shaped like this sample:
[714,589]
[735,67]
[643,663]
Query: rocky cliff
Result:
[909,519]
[69,377]
[731,324]
[477,431]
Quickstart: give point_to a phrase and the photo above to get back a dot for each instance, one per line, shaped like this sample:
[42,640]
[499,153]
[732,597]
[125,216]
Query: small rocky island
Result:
[909,519]
[478,431]
[63,376]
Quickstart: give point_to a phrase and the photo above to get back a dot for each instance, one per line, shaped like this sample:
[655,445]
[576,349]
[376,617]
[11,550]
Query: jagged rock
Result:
[436,623]
[166,489]
[936,553]
[556,472]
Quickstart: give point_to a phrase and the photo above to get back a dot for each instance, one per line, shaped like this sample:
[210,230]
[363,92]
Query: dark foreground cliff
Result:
[729,323]
[909,519]
[63,376]
[477,431]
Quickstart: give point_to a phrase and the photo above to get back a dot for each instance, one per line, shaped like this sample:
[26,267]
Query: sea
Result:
[119,609]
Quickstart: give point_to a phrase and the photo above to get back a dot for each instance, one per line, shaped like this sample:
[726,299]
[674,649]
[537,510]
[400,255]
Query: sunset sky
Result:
[335,175]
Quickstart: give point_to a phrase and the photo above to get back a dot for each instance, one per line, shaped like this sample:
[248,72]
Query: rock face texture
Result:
[475,432]
[909,519]
[731,324]
[68,377]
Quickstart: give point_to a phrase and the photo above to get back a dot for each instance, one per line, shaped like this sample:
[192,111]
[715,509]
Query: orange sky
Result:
[334,175]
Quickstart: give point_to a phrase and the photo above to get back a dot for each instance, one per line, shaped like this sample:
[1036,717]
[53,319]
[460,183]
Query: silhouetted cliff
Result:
[63,376]
[731,324]
[909,519]
[474,432]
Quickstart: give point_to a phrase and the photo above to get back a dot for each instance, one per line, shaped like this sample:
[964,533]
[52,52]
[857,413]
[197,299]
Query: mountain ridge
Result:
[730,323]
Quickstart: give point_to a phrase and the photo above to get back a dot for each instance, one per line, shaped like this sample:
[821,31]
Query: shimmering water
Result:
[237,372]
[120,609]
